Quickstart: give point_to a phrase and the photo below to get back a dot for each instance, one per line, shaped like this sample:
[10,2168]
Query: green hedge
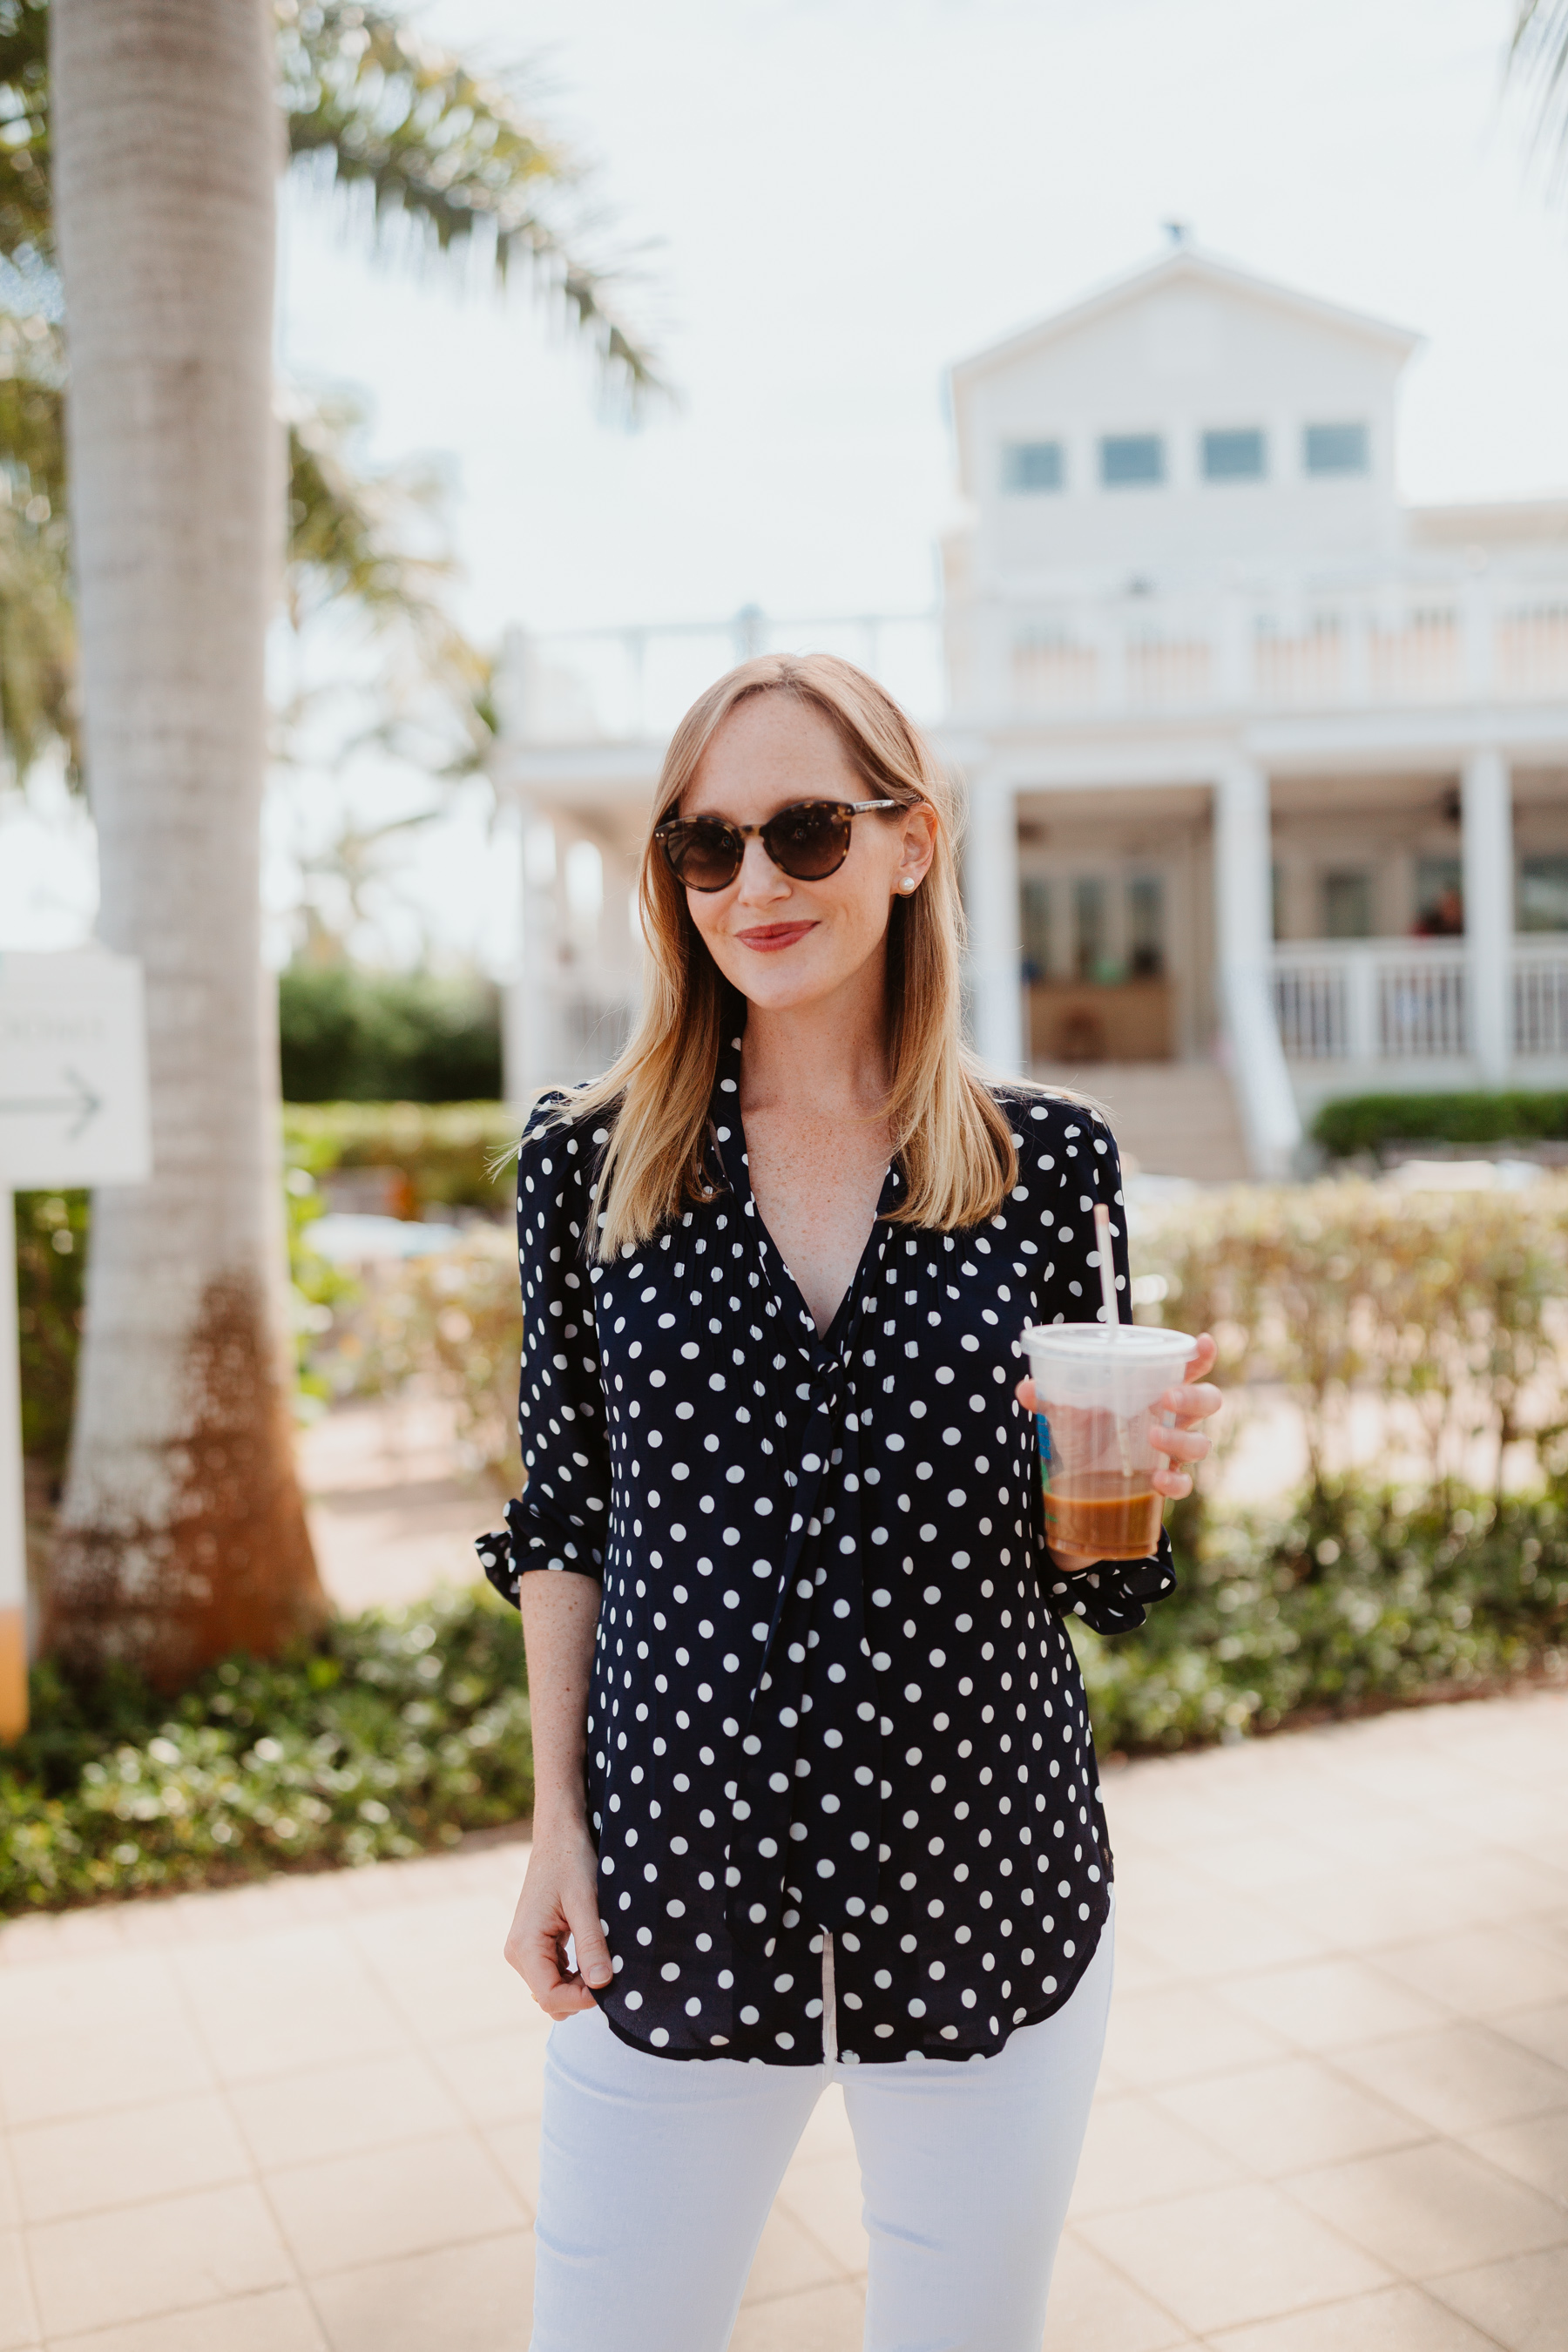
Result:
[400,1730]
[450,1155]
[350,1036]
[1366,1122]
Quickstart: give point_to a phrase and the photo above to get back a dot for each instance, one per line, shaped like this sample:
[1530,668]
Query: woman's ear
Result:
[918,845]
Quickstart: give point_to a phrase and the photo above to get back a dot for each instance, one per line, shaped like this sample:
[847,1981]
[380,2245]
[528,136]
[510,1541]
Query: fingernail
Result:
[600,1973]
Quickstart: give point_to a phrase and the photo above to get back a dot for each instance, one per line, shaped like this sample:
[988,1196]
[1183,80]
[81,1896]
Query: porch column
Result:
[1486,800]
[1244,897]
[530,1047]
[995,952]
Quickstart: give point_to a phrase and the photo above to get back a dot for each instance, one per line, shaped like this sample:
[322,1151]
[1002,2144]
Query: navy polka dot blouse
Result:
[832,1687]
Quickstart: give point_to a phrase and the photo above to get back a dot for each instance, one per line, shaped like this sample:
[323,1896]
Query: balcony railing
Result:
[1418,639]
[1405,999]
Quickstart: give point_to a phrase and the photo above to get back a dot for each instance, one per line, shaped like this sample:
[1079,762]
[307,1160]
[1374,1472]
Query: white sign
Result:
[73,1071]
[73,1111]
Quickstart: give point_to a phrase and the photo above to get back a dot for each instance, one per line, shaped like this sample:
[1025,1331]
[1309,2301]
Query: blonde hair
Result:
[952,1140]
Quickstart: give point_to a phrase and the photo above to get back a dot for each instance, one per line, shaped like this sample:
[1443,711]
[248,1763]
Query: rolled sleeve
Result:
[559,1520]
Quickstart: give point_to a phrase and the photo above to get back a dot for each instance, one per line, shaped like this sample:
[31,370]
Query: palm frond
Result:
[26,212]
[457,154]
[354,530]
[1538,66]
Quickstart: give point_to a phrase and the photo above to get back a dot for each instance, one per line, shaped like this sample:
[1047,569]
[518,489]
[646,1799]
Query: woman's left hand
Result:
[1196,1399]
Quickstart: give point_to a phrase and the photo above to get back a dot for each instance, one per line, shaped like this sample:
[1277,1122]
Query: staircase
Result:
[1170,1118]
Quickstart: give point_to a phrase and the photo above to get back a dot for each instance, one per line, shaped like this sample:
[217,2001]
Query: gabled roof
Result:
[1185,265]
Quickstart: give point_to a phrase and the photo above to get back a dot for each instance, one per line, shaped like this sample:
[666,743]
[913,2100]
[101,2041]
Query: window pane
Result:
[1036,913]
[1090,958]
[1127,458]
[1347,905]
[1336,448]
[1146,926]
[1544,894]
[1439,899]
[1033,465]
[1234,457]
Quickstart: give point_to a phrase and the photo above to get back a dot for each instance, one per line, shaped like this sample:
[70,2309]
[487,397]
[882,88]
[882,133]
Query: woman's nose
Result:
[760,877]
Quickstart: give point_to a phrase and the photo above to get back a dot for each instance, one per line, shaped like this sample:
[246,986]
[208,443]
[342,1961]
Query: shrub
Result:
[451,1322]
[51,1267]
[1366,1122]
[1350,1598]
[350,1036]
[1449,1304]
[446,1153]
[401,1729]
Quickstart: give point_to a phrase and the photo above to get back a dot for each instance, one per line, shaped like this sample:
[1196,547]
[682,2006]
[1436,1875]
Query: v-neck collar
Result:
[729,1137]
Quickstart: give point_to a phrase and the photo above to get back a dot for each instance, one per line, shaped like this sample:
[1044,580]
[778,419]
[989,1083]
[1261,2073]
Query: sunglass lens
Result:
[704,856]
[809,843]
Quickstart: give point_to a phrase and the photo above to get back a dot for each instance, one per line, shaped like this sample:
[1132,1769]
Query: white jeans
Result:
[658,2176]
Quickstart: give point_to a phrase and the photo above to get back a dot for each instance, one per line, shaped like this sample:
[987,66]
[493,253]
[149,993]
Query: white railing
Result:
[1373,1000]
[1423,639]
[632,684]
[1540,997]
[1405,999]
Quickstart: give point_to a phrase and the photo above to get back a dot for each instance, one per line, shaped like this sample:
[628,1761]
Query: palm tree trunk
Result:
[181,1531]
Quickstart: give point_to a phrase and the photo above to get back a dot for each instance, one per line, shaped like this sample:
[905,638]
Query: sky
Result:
[825,202]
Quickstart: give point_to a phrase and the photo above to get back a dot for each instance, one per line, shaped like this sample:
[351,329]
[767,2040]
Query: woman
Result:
[815,1791]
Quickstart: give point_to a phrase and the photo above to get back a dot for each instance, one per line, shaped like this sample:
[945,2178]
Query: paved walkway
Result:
[302,2118]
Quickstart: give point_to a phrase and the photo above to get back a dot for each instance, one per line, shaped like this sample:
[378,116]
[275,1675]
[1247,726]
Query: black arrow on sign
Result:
[82,1100]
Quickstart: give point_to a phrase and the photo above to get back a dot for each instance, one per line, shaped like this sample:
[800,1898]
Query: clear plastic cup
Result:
[1097,1390]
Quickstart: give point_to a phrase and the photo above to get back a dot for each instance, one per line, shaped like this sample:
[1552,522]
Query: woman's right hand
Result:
[559,1898]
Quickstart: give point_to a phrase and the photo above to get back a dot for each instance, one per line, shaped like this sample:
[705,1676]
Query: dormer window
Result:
[1132,460]
[1033,466]
[1236,455]
[1335,449]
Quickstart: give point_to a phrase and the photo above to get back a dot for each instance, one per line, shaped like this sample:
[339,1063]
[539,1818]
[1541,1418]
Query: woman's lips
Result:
[768,936]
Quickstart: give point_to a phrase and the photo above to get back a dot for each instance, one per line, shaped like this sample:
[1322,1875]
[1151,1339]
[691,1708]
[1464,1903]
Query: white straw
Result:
[1106,1268]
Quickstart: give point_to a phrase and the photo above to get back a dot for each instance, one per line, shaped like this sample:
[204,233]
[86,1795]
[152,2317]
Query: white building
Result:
[1239,732]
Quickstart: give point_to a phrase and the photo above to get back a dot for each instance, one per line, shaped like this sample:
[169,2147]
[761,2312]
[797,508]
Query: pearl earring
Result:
[907,882]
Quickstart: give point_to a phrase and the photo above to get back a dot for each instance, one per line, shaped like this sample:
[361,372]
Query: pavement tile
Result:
[1544,2031]
[1094,2309]
[461,2299]
[101,2270]
[282,2321]
[1332,2004]
[1230,2255]
[1218,1935]
[1399,2319]
[290,2002]
[1135,2154]
[1285,2118]
[127,2157]
[1433,2208]
[18,2324]
[302,2118]
[1482,1972]
[1172,2035]
[1534,2151]
[96,2067]
[1520,2304]
[445,1999]
[826,2197]
[1459,2078]
[380,2203]
[788,2258]
[823,2319]
[495,2077]
[63,1995]
[515,2147]
[826,2132]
